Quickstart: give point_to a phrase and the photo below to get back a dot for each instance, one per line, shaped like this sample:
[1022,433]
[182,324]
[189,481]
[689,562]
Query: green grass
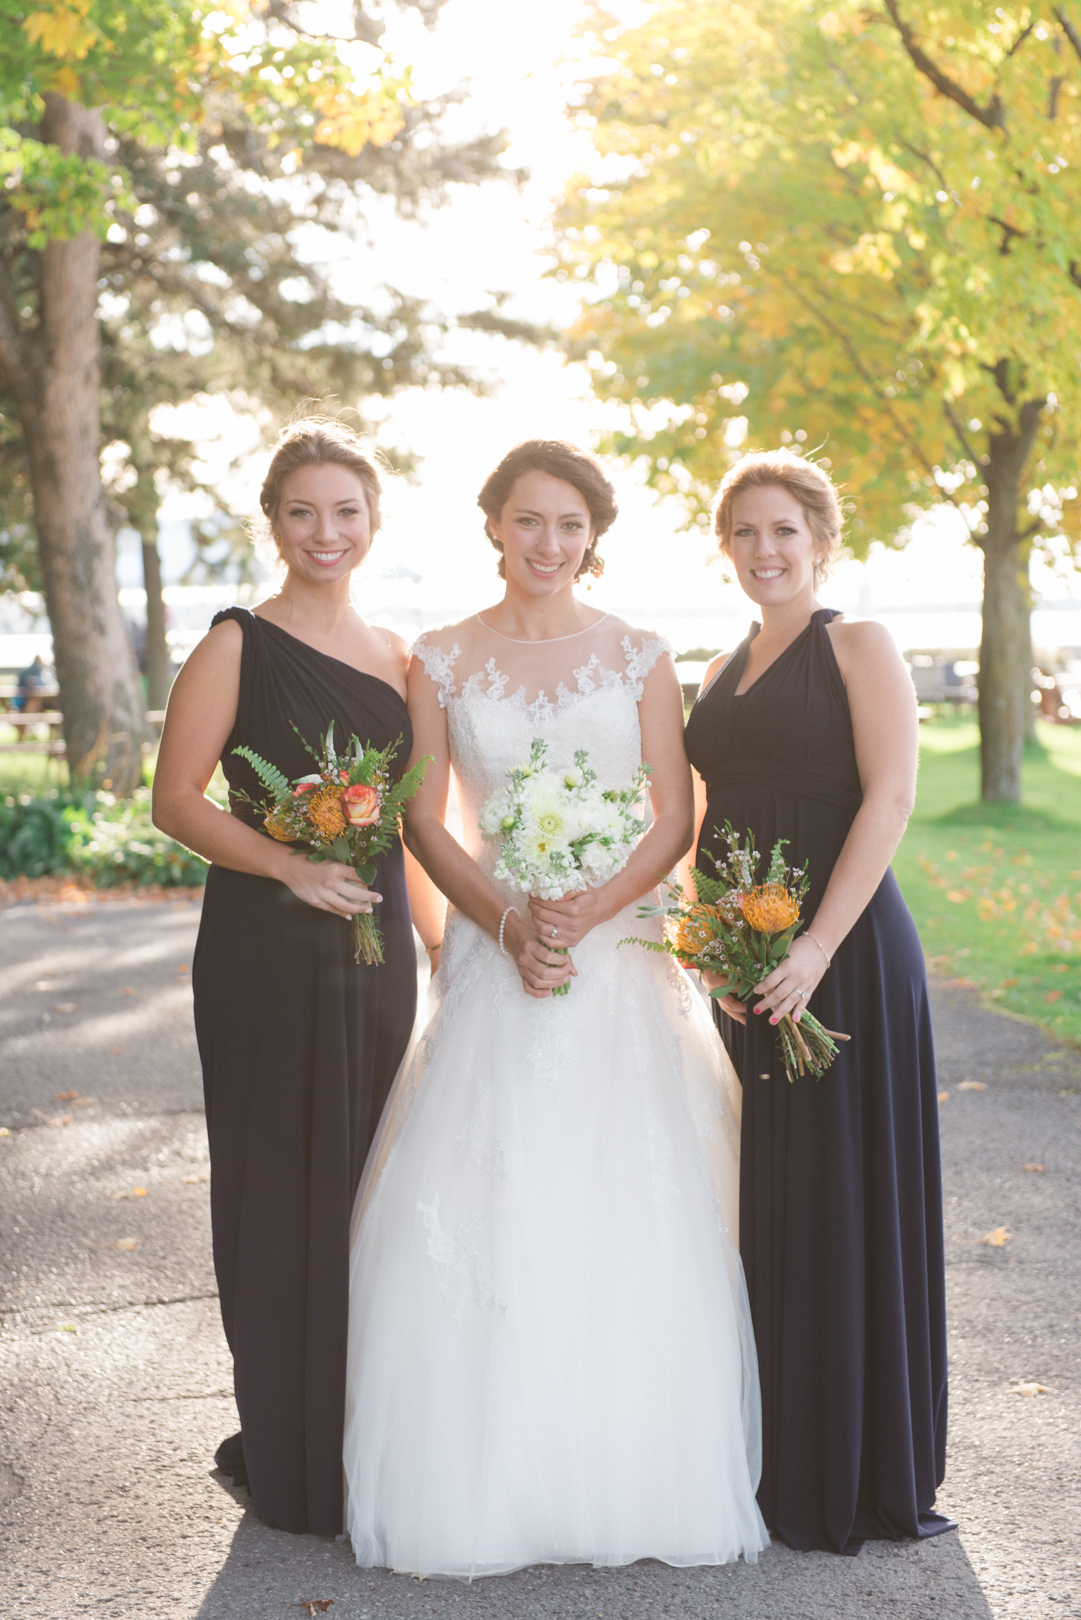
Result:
[31,773]
[996,889]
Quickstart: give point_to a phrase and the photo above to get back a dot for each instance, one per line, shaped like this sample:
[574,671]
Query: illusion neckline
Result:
[544,641]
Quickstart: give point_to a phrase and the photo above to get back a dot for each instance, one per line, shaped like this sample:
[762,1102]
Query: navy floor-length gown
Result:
[299,1046]
[840,1189]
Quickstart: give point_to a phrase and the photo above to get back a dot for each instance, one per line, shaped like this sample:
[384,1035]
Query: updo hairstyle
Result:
[559,460]
[806,482]
[316,441]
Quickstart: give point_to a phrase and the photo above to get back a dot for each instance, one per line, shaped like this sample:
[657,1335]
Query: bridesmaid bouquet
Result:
[560,830]
[742,930]
[348,810]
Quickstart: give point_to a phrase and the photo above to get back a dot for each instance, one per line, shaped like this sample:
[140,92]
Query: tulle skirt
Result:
[550,1350]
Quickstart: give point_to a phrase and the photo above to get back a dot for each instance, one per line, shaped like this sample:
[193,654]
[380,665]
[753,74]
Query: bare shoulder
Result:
[713,669]
[446,637]
[863,641]
[219,649]
[396,645]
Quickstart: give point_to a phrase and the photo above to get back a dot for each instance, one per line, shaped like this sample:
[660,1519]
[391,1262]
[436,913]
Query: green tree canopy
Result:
[850,227]
[165,155]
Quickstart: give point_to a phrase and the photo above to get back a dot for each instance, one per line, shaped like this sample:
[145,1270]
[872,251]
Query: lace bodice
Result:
[586,693]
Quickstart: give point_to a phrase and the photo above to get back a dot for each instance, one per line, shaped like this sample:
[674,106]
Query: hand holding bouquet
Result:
[348,810]
[741,929]
[560,830]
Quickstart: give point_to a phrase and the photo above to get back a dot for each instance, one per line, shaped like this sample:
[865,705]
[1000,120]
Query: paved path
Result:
[115,1382]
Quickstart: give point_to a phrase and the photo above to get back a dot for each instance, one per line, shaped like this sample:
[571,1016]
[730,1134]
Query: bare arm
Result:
[885,732]
[446,862]
[201,715]
[428,907]
[660,715]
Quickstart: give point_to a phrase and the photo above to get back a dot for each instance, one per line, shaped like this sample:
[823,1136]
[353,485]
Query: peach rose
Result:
[361,805]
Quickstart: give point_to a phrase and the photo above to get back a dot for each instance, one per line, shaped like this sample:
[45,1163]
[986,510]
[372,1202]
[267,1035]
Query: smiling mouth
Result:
[767,573]
[327,559]
[545,568]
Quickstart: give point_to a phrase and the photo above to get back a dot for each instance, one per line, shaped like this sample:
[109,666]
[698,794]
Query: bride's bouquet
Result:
[348,810]
[741,929]
[560,830]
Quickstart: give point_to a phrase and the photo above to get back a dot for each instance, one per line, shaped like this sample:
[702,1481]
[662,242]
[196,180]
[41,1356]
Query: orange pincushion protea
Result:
[325,811]
[769,908]
[277,825]
[693,932]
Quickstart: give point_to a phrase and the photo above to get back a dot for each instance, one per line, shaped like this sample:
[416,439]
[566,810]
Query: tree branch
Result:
[951,417]
[1068,28]
[991,116]
[15,356]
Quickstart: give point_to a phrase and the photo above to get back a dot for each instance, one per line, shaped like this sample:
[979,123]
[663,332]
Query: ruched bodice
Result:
[791,730]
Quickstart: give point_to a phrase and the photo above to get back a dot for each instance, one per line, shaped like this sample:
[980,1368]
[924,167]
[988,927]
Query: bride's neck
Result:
[527,618]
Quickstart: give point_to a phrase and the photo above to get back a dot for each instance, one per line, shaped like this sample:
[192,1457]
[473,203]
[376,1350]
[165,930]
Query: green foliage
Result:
[35,836]
[99,837]
[275,781]
[843,225]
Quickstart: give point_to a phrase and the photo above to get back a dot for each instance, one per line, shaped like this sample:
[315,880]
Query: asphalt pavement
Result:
[115,1383]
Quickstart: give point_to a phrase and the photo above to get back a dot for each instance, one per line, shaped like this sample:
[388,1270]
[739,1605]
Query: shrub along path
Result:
[115,1381]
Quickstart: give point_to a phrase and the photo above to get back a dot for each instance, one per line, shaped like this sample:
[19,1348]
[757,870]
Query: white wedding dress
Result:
[551,1357]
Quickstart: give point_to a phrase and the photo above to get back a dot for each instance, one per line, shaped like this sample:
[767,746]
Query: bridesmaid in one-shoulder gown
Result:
[299,1047]
[840,1192]
[299,1043]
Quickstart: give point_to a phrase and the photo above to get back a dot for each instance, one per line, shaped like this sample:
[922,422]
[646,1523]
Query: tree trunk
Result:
[1005,645]
[1028,708]
[57,398]
[157,647]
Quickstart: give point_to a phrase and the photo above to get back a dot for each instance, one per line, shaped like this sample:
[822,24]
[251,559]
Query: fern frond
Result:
[269,775]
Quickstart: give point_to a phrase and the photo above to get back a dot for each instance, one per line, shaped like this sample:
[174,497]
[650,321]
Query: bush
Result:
[105,839]
[35,835]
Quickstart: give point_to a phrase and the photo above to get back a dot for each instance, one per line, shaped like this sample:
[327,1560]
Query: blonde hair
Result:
[317,441]
[806,482]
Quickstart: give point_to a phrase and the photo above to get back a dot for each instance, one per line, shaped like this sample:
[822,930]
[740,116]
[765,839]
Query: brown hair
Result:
[559,460]
[806,482]
[318,441]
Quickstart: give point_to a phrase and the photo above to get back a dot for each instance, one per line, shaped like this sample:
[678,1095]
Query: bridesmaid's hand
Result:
[541,968]
[566,922]
[327,885]
[788,988]
[736,1009]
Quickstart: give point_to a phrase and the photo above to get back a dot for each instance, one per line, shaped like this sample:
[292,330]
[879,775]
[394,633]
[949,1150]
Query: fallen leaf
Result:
[997,1239]
[972,1085]
[943,1096]
[132,1192]
[47,984]
[1053,995]
[1059,967]
[84,1102]
[66,1327]
[1037,1167]
[125,1244]
[1030,1389]
[127,990]
[189,1181]
[183,968]
[66,1006]
[4,1131]
[1008,984]
[66,1096]
[116,1050]
[316,1605]
[55,1120]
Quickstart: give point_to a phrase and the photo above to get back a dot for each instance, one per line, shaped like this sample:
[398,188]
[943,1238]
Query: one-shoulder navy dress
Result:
[299,1046]
[840,1187]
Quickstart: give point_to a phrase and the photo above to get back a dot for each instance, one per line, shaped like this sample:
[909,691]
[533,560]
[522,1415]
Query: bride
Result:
[550,1351]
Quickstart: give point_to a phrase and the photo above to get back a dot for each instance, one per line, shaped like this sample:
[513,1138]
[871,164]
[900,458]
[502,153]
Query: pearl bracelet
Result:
[503,924]
[822,948]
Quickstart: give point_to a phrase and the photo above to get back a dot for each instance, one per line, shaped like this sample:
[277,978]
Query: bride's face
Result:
[544,529]
[772,547]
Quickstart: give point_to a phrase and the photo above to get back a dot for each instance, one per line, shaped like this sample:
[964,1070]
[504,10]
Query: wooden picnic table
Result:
[21,722]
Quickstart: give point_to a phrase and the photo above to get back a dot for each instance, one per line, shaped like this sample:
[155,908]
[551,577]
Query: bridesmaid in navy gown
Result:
[298,1044]
[807,732]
